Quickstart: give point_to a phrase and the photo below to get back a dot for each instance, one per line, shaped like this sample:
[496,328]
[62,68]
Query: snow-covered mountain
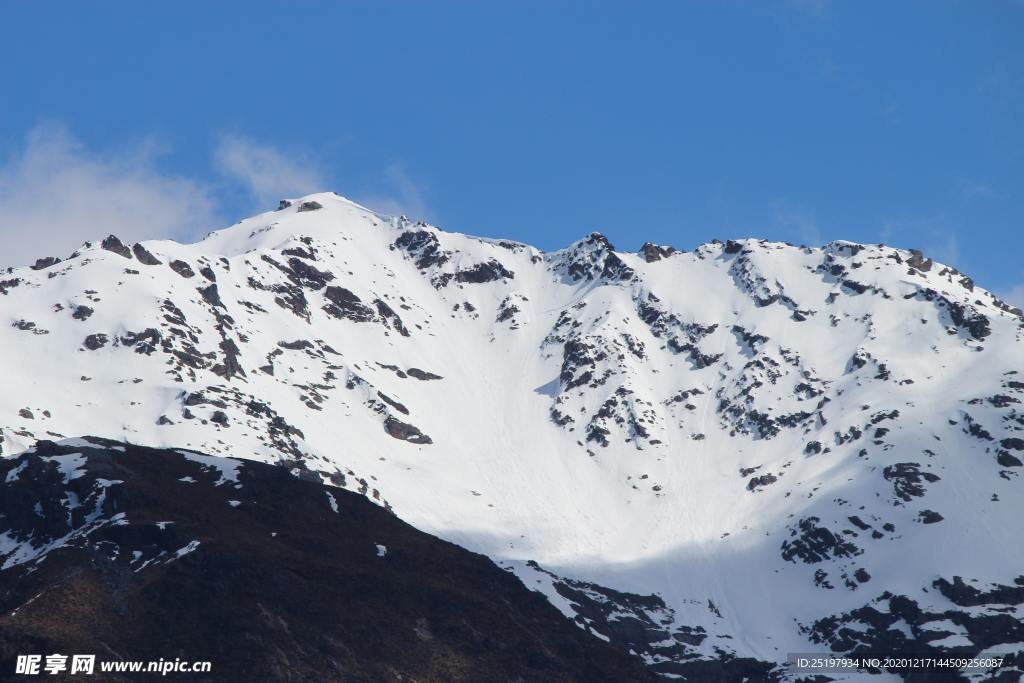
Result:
[734,453]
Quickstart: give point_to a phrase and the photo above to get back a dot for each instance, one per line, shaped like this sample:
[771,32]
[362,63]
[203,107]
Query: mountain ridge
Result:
[720,426]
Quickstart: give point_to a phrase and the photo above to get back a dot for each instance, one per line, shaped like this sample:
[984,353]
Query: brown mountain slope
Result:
[141,554]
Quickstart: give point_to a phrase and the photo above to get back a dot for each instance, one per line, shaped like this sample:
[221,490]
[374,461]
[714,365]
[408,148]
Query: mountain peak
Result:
[723,428]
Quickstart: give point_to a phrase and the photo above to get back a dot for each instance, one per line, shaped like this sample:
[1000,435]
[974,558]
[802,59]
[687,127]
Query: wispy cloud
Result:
[828,69]
[1015,296]
[971,189]
[797,221]
[930,235]
[265,172]
[55,194]
[890,111]
[814,8]
[399,195]
[1003,85]
[945,248]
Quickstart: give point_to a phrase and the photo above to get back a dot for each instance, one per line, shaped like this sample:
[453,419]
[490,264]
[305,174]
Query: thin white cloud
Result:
[1002,84]
[971,190]
[798,221]
[891,112]
[267,173]
[815,8]
[56,194]
[401,195]
[1015,296]
[927,234]
[945,248]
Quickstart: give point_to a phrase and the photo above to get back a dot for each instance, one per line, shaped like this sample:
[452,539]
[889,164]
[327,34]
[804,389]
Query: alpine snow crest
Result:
[705,460]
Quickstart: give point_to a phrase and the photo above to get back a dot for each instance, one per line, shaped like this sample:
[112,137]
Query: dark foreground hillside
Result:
[133,553]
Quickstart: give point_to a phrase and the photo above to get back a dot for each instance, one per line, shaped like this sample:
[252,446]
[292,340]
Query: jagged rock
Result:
[145,342]
[615,268]
[297,345]
[291,298]
[211,296]
[393,403]
[390,317]
[813,543]
[423,246]
[764,480]
[654,252]
[143,255]
[908,479]
[595,257]
[506,310]
[579,361]
[404,431]
[95,341]
[901,627]
[488,271]
[310,206]
[961,315]
[918,261]
[308,275]
[300,252]
[855,286]
[115,245]
[28,326]
[975,323]
[44,263]
[421,374]
[345,304]
[965,595]
[181,268]
[82,312]
[229,366]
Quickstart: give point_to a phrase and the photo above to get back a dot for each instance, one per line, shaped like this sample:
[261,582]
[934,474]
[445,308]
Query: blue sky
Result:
[676,122]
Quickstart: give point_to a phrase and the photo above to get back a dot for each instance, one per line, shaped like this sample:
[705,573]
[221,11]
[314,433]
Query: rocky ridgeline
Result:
[847,399]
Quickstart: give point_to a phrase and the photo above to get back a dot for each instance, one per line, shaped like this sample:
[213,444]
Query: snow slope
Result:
[762,435]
